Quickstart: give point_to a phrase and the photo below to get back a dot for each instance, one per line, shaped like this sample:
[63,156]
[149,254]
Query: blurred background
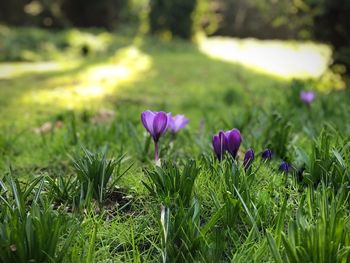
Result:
[59,54]
[321,20]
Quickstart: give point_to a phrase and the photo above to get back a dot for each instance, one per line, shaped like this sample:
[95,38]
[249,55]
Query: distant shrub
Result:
[34,44]
[332,25]
[12,12]
[63,13]
[174,16]
[325,20]
[91,13]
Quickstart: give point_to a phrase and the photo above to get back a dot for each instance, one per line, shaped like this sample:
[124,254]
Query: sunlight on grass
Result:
[11,70]
[283,59]
[96,82]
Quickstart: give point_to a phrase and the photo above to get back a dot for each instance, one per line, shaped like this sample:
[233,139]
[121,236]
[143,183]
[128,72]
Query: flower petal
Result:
[284,167]
[223,141]
[307,96]
[218,142]
[233,141]
[266,154]
[147,118]
[217,145]
[160,123]
[181,121]
[248,159]
[177,122]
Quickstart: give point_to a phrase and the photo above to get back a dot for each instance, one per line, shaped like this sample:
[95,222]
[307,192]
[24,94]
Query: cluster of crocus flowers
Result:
[157,123]
[307,97]
[229,141]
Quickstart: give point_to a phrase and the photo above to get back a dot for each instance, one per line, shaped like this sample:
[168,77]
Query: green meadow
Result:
[78,179]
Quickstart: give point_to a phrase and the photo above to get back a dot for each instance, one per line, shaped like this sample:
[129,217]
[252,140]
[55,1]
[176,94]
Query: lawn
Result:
[79,182]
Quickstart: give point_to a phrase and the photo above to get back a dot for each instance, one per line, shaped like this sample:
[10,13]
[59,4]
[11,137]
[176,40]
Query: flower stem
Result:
[156,154]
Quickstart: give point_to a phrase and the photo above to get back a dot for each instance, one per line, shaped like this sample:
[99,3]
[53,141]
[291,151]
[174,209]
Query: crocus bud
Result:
[219,144]
[307,97]
[266,154]
[177,122]
[233,141]
[284,167]
[248,159]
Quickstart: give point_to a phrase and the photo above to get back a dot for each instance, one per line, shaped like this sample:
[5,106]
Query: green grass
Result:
[199,210]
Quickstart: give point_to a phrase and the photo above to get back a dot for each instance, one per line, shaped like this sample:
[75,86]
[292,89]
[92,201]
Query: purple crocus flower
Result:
[219,144]
[156,124]
[248,159]
[233,141]
[177,122]
[284,167]
[266,154]
[307,97]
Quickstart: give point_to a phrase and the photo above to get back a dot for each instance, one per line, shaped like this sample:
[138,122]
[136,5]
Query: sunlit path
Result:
[286,59]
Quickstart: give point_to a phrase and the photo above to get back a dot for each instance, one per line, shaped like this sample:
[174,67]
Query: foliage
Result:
[318,234]
[327,164]
[324,20]
[278,133]
[95,174]
[183,235]
[34,233]
[62,189]
[237,195]
[331,24]
[173,16]
[105,13]
[170,185]
[36,237]
[59,14]
[287,19]
[33,44]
